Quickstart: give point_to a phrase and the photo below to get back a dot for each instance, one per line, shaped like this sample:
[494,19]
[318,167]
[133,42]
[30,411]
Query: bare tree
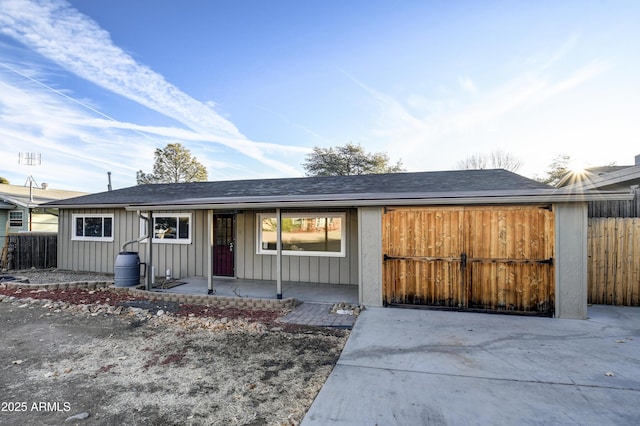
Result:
[497,159]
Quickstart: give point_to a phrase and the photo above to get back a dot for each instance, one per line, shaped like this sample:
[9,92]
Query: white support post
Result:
[210,252]
[278,254]
[150,232]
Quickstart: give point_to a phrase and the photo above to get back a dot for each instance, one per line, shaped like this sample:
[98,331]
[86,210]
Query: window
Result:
[303,234]
[93,227]
[170,228]
[16,219]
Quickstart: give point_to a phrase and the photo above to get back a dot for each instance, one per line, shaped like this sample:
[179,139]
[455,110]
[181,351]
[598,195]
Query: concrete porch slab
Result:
[258,289]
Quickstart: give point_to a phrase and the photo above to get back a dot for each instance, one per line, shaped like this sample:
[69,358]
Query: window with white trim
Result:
[92,227]
[169,228]
[16,219]
[303,234]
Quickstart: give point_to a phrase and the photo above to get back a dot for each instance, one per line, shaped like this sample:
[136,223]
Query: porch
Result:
[263,289]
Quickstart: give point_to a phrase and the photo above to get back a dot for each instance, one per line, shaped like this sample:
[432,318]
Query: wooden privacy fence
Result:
[614,261]
[617,208]
[25,251]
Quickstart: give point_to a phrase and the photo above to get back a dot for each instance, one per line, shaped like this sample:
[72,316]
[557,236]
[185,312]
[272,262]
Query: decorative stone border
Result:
[193,299]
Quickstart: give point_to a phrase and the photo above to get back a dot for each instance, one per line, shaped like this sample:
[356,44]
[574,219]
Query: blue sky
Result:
[249,87]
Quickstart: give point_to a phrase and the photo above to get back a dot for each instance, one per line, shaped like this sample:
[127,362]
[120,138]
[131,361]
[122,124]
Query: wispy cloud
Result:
[467,84]
[60,33]
[395,125]
[417,133]
[37,120]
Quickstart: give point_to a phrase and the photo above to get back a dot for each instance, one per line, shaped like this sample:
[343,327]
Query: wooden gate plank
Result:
[503,245]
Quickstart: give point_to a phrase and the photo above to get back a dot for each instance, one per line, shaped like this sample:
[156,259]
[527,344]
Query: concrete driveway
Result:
[421,367]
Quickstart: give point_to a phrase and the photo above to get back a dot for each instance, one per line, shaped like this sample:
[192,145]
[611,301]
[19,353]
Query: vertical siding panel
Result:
[303,270]
[353,243]
[334,270]
[314,269]
[347,268]
[199,252]
[241,247]
[344,270]
[286,261]
[182,257]
[323,269]
[294,268]
[63,240]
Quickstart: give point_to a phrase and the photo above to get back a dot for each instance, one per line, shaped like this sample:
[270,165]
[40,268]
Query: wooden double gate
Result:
[490,258]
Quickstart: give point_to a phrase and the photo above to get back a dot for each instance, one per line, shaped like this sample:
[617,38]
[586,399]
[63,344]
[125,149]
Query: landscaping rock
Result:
[80,416]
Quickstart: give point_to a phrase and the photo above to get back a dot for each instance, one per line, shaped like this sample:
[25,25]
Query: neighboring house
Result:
[613,233]
[489,240]
[609,178]
[21,208]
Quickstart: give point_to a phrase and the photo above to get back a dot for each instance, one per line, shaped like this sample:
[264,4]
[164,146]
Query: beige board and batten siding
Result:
[87,256]
[184,260]
[311,269]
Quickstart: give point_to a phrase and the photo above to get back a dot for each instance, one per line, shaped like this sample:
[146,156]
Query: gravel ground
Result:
[81,352]
[46,276]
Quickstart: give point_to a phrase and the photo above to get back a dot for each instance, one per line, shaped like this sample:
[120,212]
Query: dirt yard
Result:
[128,361]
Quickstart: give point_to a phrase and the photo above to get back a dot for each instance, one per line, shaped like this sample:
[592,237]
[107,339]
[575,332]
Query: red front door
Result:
[223,258]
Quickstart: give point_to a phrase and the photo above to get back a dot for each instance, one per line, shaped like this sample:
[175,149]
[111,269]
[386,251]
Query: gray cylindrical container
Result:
[127,269]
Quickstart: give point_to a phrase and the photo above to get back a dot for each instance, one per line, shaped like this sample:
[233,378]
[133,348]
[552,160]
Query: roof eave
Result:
[629,176]
[85,206]
[306,202]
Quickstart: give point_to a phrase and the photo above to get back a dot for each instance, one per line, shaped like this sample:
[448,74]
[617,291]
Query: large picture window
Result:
[303,234]
[92,227]
[169,228]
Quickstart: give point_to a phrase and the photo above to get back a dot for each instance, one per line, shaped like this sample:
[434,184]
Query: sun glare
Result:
[577,167]
[577,173]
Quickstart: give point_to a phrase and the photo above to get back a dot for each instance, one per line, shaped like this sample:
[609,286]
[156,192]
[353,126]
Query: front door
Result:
[223,258]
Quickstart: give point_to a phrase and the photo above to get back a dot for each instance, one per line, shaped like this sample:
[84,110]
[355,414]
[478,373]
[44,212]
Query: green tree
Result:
[558,168]
[173,164]
[4,180]
[349,159]
[495,160]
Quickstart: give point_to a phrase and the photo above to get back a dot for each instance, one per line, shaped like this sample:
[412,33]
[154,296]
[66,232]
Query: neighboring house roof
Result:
[604,178]
[458,185]
[21,196]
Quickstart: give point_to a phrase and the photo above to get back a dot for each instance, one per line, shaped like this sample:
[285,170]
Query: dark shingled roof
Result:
[421,182]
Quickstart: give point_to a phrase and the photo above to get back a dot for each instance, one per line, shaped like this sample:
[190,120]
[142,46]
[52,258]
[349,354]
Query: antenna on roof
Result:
[30,159]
